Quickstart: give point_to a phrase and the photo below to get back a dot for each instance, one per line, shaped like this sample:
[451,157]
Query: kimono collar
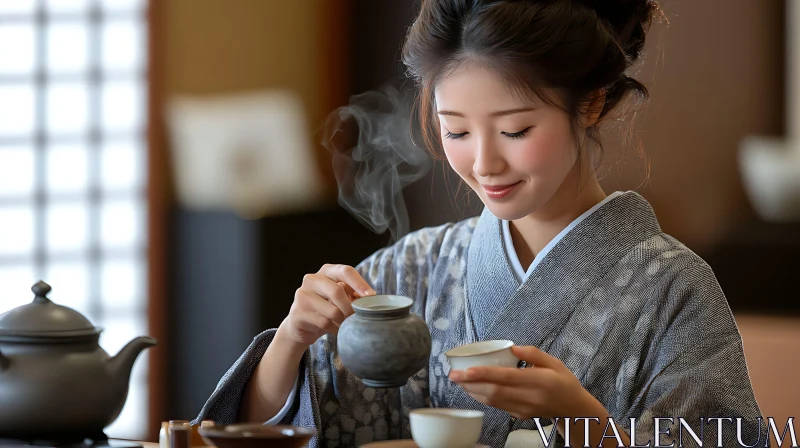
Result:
[542,303]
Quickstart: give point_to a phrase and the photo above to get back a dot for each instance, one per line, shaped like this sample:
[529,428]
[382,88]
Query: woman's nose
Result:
[488,160]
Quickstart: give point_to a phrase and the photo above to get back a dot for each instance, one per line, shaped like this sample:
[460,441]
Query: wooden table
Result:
[155,445]
[384,444]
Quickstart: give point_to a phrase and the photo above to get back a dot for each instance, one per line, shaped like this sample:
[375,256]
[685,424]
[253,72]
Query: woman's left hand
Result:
[548,389]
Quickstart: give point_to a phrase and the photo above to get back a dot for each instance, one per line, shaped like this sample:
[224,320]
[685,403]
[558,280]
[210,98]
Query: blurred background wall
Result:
[716,75]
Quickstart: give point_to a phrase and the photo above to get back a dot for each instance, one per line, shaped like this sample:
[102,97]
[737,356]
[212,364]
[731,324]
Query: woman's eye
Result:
[519,134]
[454,136]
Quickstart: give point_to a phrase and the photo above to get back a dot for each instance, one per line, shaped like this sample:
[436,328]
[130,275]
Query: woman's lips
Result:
[498,191]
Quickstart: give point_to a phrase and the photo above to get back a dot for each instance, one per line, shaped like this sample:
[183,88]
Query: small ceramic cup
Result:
[495,353]
[446,428]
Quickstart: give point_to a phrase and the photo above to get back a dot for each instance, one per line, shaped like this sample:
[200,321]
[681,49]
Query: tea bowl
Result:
[257,435]
[494,353]
[446,428]
[402,444]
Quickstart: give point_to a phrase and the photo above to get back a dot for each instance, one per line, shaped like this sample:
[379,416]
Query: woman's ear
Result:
[592,108]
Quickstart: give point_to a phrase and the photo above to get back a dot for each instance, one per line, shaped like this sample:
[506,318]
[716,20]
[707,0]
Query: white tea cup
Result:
[446,428]
[495,353]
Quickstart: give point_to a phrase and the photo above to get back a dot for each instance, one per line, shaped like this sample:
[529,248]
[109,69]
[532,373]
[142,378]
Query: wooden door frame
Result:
[158,206]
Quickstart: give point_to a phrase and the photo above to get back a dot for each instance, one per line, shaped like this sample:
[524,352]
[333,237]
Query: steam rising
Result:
[372,174]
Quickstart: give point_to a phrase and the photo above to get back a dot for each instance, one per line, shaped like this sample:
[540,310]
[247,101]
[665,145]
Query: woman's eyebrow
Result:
[501,113]
[498,113]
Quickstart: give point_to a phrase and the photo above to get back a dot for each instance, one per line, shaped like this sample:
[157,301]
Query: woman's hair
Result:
[573,48]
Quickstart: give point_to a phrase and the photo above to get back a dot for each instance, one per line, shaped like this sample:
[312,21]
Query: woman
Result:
[617,318]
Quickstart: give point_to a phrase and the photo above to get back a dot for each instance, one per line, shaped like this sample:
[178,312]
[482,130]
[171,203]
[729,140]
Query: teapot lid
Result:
[43,318]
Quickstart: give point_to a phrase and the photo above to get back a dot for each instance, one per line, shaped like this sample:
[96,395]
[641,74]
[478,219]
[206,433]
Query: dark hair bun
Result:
[629,19]
[577,47]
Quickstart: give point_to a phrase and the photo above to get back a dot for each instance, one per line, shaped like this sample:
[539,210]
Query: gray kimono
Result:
[635,315]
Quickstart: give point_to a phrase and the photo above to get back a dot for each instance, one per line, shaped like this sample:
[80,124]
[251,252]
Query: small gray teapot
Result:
[383,343]
[56,382]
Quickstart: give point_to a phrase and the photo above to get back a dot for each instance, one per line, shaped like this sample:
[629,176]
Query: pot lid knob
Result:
[41,289]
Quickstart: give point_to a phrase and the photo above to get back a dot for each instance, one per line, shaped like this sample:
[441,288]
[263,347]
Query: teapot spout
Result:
[120,366]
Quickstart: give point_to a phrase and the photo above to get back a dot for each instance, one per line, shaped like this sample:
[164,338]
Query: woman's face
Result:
[514,154]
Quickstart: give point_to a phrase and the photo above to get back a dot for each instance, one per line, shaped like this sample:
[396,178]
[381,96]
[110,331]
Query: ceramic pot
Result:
[383,343]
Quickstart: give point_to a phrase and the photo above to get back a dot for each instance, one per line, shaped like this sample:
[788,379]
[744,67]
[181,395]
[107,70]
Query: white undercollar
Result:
[511,253]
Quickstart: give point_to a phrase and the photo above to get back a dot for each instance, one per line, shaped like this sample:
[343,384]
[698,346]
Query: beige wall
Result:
[771,345]
[212,46]
[715,76]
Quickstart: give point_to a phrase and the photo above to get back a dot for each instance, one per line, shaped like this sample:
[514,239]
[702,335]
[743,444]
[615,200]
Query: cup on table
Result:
[494,353]
[446,428]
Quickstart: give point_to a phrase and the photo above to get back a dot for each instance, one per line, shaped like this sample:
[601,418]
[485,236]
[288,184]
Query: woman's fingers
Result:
[534,356]
[351,293]
[514,401]
[320,305]
[348,275]
[312,322]
[324,301]
[331,291]
[486,390]
[532,376]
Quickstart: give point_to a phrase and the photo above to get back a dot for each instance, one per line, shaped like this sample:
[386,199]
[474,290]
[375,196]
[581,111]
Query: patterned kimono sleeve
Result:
[695,371]
[404,268]
[224,403]
[329,398]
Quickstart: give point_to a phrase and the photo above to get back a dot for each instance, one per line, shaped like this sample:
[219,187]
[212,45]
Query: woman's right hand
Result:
[322,303]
